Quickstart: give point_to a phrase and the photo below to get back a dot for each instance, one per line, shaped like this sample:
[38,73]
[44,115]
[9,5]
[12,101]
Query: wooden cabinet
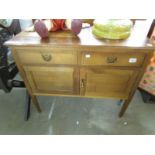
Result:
[112,83]
[82,66]
[55,80]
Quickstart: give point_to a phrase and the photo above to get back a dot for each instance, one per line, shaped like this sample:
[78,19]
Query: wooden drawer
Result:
[46,56]
[112,59]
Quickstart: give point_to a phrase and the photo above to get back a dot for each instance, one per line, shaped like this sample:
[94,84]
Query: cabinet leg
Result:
[27,106]
[124,107]
[35,102]
[126,104]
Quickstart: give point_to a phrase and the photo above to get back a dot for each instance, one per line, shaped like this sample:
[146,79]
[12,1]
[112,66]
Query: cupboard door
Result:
[54,80]
[111,83]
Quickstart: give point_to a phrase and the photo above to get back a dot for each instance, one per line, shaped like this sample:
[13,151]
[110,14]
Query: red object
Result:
[58,24]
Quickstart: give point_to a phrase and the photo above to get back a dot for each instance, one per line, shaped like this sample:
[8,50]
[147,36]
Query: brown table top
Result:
[137,39]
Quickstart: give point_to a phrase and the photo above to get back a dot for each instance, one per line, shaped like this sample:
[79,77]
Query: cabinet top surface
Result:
[137,39]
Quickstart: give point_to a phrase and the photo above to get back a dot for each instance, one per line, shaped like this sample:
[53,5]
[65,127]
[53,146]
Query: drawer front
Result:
[112,59]
[46,56]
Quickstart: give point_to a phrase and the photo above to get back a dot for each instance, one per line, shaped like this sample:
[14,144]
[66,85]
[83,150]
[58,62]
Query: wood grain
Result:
[108,82]
[52,79]
[120,59]
[36,56]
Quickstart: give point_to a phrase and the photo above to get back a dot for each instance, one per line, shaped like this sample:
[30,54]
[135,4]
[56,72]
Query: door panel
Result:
[113,83]
[57,80]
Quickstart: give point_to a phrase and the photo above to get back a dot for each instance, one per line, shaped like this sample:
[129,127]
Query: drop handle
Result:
[111,59]
[46,57]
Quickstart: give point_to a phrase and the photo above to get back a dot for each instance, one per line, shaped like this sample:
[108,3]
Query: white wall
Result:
[25,23]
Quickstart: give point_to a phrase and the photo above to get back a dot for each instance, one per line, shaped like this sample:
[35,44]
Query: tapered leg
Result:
[35,102]
[27,106]
[124,107]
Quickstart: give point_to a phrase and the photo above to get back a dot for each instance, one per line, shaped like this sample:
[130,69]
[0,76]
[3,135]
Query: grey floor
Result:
[74,116]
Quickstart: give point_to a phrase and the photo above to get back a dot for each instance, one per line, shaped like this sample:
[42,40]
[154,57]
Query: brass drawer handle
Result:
[46,57]
[111,59]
